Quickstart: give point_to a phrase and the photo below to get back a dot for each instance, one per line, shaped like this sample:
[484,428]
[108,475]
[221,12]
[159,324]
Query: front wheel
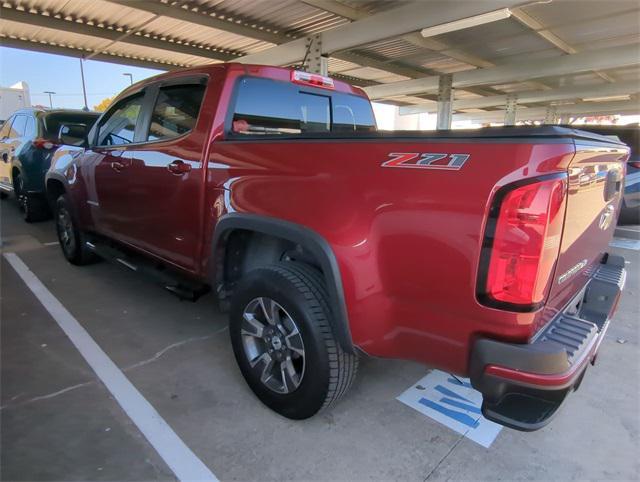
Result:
[283,341]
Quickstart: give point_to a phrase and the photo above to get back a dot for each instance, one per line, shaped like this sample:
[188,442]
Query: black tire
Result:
[3,195]
[34,208]
[72,240]
[329,371]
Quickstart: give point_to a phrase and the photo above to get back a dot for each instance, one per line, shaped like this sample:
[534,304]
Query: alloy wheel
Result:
[65,230]
[273,345]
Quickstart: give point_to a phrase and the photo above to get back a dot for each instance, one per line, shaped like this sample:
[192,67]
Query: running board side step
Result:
[180,286]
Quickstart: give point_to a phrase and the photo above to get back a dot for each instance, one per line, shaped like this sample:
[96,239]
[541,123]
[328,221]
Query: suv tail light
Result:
[44,144]
[522,241]
[315,80]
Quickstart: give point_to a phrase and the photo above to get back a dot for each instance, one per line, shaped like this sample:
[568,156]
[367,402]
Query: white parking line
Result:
[180,459]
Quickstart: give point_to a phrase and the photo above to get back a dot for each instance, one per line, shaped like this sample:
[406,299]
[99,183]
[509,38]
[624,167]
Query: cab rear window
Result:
[267,107]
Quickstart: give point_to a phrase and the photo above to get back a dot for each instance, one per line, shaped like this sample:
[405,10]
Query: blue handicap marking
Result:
[449,393]
[452,402]
[454,414]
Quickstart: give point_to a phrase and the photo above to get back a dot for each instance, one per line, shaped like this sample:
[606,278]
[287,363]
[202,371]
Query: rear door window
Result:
[176,111]
[119,125]
[266,107]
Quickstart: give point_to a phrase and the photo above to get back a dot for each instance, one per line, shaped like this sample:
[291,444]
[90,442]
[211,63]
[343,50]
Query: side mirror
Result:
[73,135]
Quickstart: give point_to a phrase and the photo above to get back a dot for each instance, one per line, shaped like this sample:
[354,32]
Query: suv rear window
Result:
[52,121]
[268,107]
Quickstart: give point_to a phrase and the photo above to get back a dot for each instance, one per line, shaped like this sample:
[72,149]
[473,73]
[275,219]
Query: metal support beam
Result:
[48,21]
[562,93]
[510,111]
[205,18]
[551,115]
[559,111]
[80,53]
[391,23]
[530,22]
[445,101]
[607,58]
[315,62]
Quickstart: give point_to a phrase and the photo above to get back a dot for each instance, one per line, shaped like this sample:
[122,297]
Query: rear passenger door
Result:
[165,177]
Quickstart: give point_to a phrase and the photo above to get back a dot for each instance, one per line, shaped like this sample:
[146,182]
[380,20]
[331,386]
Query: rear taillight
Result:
[522,241]
[44,144]
[635,164]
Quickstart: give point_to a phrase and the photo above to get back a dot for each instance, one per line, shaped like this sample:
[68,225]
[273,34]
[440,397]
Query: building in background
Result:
[13,98]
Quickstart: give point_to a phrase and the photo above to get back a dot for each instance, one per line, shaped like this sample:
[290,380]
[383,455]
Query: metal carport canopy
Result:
[371,43]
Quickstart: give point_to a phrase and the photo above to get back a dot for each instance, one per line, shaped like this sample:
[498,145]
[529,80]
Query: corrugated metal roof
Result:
[194,32]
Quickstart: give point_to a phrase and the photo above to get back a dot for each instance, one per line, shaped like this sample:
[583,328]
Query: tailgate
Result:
[595,186]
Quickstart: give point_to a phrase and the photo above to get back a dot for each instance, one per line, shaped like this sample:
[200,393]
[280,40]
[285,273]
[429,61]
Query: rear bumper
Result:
[524,385]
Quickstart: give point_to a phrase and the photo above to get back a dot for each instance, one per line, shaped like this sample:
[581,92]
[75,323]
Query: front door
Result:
[109,198]
[165,178]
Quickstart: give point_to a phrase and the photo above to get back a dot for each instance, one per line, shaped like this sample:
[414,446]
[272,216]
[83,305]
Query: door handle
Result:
[117,166]
[179,167]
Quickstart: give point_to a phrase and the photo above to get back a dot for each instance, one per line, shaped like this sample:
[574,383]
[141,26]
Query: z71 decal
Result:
[426,160]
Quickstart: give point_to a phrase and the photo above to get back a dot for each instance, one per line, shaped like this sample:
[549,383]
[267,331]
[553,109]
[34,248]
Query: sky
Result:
[61,74]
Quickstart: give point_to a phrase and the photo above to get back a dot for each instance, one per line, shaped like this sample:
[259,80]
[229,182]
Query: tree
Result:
[102,106]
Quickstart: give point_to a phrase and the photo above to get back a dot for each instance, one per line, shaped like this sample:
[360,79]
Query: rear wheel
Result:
[3,195]
[283,342]
[72,240]
[33,207]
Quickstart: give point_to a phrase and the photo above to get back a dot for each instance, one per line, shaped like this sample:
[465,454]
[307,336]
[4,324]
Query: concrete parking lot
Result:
[59,422]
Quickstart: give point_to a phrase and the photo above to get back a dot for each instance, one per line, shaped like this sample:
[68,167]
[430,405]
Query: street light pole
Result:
[50,98]
[127,74]
[84,87]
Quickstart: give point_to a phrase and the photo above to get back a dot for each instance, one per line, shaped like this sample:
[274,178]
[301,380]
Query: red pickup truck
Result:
[482,253]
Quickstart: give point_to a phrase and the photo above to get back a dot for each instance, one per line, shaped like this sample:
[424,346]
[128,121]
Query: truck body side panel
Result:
[407,240]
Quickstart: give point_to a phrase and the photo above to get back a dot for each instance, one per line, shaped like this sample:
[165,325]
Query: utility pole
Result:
[50,98]
[127,74]
[84,87]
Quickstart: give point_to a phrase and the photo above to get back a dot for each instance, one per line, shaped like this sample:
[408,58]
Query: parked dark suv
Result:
[28,140]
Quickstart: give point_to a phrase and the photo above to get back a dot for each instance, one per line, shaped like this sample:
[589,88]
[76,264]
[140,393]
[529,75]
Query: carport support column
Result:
[551,115]
[510,111]
[316,63]
[445,102]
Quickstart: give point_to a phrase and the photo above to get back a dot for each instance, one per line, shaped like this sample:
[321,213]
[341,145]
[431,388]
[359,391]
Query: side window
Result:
[266,107]
[119,125]
[176,111]
[352,114]
[18,127]
[6,128]
[30,128]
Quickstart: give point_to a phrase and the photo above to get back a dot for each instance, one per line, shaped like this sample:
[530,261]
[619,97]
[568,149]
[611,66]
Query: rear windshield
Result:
[51,122]
[266,107]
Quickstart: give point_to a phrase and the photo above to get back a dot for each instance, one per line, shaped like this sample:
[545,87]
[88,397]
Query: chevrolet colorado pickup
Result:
[482,253]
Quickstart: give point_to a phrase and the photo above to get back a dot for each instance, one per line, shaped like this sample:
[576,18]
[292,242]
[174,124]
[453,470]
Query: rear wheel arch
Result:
[259,240]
